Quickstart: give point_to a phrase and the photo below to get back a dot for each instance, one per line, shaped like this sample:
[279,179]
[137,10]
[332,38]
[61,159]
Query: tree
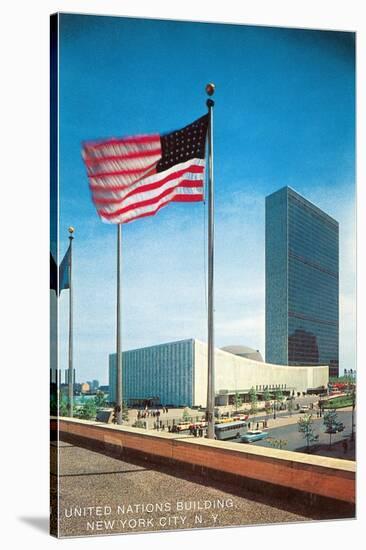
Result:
[124,411]
[267,401]
[63,409]
[138,424]
[253,401]
[277,443]
[100,400]
[88,410]
[290,406]
[59,408]
[237,401]
[266,395]
[306,427]
[277,398]
[331,423]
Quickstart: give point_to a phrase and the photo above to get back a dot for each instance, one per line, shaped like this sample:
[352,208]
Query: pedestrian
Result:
[248,425]
[345,446]
[257,425]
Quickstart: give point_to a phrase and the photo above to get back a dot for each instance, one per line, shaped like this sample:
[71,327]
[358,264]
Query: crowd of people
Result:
[154,413]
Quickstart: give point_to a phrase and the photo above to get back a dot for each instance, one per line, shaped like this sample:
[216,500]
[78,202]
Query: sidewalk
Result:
[336,450]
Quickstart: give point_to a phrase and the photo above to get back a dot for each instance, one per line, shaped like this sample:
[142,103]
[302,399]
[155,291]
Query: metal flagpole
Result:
[71,370]
[210,89]
[118,335]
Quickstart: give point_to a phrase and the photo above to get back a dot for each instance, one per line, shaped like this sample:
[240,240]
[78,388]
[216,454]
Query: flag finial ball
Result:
[210,88]
[71,230]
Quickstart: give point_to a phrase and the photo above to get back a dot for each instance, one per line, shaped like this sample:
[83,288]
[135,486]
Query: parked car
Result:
[304,409]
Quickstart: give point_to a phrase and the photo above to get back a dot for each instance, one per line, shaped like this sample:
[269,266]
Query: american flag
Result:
[133,177]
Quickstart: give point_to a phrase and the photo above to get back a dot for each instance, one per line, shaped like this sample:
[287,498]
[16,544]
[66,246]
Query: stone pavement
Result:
[102,495]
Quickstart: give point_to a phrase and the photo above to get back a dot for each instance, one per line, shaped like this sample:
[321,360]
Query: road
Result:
[295,439]
[159,499]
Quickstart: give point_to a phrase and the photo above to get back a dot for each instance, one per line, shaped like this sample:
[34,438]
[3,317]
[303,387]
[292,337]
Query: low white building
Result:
[175,374]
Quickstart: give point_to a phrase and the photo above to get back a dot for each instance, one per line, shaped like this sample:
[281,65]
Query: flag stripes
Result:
[133,177]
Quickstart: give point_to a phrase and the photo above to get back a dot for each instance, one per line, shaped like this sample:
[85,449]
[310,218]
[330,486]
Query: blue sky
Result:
[284,115]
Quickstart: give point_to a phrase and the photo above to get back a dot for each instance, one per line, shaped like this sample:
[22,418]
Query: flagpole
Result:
[210,89]
[71,370]
[118,335]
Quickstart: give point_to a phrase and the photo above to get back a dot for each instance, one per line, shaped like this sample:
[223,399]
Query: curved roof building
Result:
[175,373]
[244,351]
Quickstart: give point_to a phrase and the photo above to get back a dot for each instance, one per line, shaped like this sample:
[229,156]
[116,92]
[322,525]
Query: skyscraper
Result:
[302,282]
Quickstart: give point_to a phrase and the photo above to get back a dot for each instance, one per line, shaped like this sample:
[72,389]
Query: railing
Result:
[316,475]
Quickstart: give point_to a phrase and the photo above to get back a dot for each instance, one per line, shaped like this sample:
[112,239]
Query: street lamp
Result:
[320,403]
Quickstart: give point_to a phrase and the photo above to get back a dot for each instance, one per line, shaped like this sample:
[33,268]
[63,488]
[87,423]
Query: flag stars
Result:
[183,145]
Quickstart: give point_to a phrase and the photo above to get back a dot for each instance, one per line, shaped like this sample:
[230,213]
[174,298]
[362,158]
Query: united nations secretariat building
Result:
[175,374]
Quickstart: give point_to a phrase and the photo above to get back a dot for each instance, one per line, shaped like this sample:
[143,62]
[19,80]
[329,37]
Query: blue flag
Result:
[53,273]
[64,272]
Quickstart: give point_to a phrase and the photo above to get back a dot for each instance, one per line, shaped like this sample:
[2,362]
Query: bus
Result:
[230,430]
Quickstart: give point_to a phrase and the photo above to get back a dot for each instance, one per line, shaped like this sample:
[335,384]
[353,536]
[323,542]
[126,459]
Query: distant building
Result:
[175,374]
[95,385]
[104,389]
[302,283]
[55,377]
[85,387]
[67,376]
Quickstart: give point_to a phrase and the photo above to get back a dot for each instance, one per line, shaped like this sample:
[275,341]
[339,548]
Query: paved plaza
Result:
[284,427]
[102,495]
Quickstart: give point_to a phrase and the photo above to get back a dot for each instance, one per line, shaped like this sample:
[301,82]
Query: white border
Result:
[24,273]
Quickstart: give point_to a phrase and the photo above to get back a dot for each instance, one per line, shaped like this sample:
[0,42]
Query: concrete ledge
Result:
[314,475]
